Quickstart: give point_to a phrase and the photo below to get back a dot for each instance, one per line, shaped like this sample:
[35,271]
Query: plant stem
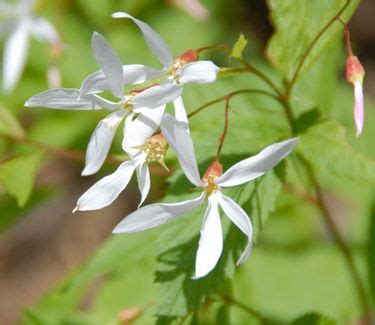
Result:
[232,301]
[341,243]
[232,94]
[225,131]
[312,45]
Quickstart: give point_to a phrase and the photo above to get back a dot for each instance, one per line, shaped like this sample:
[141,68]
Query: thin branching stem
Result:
[312,45]
[225,131]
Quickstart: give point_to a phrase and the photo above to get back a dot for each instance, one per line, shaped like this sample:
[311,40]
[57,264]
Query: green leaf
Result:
[325,146]
[371,251]
[9,125]
[297,23]
[314,319]
[18,174]
[239,47]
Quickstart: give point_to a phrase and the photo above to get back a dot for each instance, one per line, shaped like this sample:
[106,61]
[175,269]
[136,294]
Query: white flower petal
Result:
[199,72]
[43,30]
[139,130]
[110,63]
[239,217]
[157,96]
[359,115]
[105,191]
[180,141]
[101,141]
[63,98]
[180,112]
[143,179]
[133,74]
[256,166]
[154,215]
[15,52]
[152,38]
[211,240]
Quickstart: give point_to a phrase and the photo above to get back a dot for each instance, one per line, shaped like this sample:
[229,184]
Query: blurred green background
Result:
[50,265]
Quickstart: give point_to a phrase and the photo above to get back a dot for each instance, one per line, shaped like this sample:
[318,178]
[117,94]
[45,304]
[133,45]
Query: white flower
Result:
[183,70]
[115,78]
[211,240]
[142,148]
[20,23]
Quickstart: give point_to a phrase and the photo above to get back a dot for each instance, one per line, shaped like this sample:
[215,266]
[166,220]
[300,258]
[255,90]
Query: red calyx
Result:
[354,70]
[189,56]
[215,170]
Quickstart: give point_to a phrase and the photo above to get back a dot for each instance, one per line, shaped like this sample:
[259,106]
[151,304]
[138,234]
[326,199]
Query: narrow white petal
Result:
[43,30]
[359,114]
[101,141]
[180,141]
[157,96]
[138,131]
[63,98]
[256,166]
[152,38]
[105,191]
[133,74]
[199,72]
[239,217]
[143,179]
[211,240]
[180,112]
[110,63]
[15,52]
[154,215]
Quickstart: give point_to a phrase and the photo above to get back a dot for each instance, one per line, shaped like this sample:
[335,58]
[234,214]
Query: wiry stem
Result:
[225,131]
[312,45]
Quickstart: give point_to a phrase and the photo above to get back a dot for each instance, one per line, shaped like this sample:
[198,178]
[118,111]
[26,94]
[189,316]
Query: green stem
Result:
[232,94]
[311,46]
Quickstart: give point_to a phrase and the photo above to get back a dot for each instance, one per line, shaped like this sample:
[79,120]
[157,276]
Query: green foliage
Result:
[297,23]
[239,47]
[9,124]
[18,174]
[314,319]
[371,251]
[325,146]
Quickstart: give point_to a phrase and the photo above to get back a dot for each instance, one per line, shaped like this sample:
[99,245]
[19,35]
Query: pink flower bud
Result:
[189,56]
[355,74]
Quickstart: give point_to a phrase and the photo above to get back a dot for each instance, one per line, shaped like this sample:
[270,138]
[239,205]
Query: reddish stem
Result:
[225,131]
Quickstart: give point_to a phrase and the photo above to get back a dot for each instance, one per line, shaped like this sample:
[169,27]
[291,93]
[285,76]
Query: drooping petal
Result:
[154,215]
[180,112]
[199,72]
[358,108]
[143,179]
[105,191]
[157,96]
[153,40]
[15,52]
[211,240]
[256,166]
[64,98]
[133,74]
[239,217]
[137,131]
[101,141]
[180,142]
[110,63]
[43,30]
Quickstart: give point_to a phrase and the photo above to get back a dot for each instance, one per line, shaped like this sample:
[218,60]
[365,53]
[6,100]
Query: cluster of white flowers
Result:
[144,114]
[19,23]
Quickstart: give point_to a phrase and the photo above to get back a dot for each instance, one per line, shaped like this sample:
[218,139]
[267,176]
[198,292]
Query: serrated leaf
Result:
[239,46]
[314,319]
[18,174]
[325,146]
[297,23]
[9,125]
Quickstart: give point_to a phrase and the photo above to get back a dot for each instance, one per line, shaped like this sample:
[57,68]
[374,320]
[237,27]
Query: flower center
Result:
[156,148]
[215,170]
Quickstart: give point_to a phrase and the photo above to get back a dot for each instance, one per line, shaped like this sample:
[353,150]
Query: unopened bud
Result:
[189,56]
[129,315]
[354,70]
